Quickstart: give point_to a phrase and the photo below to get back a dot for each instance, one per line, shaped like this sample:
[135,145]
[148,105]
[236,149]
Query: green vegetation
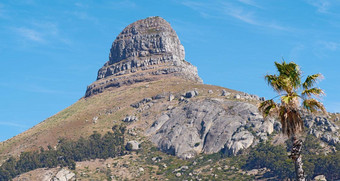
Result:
[276,159]
[273,157]
[67,153]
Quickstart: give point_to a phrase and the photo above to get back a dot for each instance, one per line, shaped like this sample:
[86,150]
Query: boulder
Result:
[252,172]
[225,93]
[320,178]
[240,141]
[64,175]
[268,127]
[132,145]
[191,94]
[171,97]
[237,96]
[130,119]
[159,96]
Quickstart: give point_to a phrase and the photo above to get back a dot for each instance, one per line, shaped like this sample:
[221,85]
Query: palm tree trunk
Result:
[296,156]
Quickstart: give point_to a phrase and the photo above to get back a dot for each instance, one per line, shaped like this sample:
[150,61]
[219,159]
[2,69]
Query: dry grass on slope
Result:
[109,108]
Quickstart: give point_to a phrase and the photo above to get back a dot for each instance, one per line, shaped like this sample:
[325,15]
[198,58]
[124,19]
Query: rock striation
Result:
[146,50]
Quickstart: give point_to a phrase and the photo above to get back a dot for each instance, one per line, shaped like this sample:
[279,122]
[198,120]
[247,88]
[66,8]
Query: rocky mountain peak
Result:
[146,50]
[144,38]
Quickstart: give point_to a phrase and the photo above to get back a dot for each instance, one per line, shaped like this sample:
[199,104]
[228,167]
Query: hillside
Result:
[182,128]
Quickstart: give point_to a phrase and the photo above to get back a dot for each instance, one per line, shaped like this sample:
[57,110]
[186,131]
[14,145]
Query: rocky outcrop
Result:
[208,126]
[64,175]
[132,145]
[321,127]
[231,125]
[145,50]
[47,174]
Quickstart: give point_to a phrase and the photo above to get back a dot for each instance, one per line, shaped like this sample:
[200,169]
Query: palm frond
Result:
[313,91]
[311,80]
[274,82]
[280,67]
[290,99]
[294,74]
[313,105]
[290,73]
[267,107]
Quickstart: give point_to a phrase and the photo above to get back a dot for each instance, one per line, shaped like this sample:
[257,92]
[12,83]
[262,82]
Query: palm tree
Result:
[288,109]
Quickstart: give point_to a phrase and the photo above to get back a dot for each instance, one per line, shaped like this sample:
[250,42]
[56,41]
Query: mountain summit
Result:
[146,50]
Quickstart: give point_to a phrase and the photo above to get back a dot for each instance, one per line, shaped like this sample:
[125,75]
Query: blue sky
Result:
[51,50]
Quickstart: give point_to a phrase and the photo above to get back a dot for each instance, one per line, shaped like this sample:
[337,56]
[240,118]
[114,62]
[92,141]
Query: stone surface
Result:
[171,97]
[144,51]
[237,96]
[321,127]
[134,145]
[191,94]
[64,175]
[130,119]
[268,126]
[206,126]
[320,178]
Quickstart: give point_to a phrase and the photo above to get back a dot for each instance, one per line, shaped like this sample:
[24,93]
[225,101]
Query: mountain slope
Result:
[149,87]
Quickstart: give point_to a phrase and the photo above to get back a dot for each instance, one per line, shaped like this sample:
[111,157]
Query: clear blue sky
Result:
[51,50]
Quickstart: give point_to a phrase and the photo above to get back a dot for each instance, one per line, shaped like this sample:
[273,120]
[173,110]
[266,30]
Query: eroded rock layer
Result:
[145,50]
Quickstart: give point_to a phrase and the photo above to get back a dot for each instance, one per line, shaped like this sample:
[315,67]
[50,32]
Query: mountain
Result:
[176,126]
[146,50]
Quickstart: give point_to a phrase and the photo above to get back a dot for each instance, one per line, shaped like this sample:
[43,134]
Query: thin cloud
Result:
[85,16]
[295,52]
[30,34]
[322,49]
[201,8]
[239,12]
[8,123]
[41,32]
[81,5]
[250,3]
[329,45]
[322,6]
[250,17]
[46,27]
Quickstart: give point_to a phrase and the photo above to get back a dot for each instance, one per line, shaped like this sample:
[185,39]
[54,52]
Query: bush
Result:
[276,159]
[273,157]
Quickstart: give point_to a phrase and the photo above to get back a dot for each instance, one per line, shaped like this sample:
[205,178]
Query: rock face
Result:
[47,174]
[208,126]
[63,175]
[322,128]
[145,50]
